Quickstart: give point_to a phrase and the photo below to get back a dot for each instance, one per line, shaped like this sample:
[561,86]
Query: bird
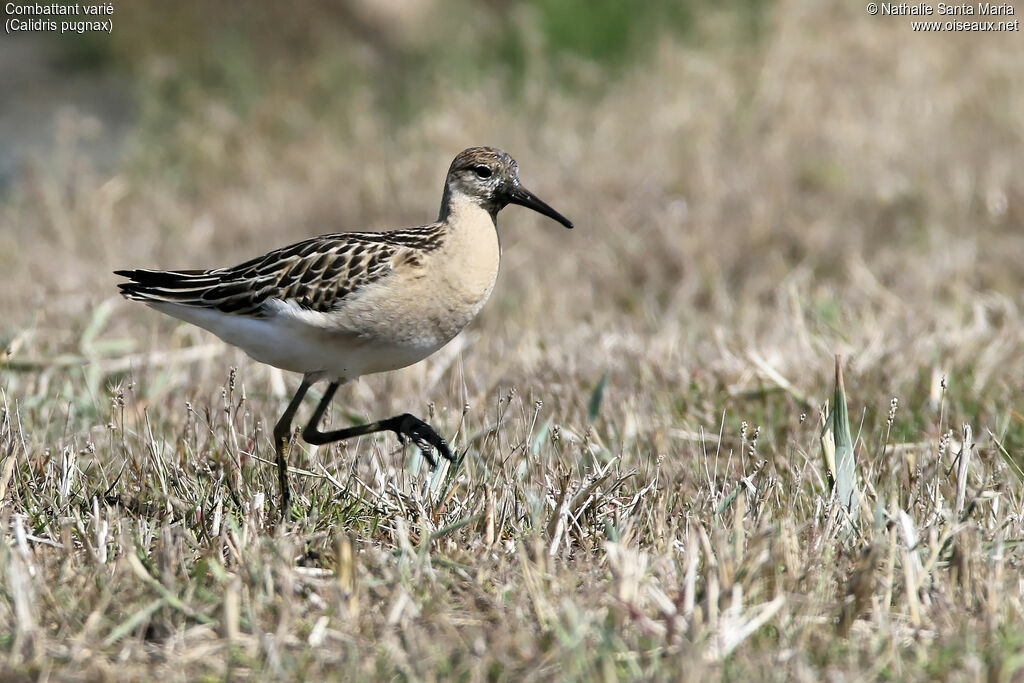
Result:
[342,305]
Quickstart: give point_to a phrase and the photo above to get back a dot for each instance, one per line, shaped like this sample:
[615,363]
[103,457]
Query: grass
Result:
[643,492]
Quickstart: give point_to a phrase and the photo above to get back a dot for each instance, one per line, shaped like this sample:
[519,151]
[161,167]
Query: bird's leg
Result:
[422,434]
[282,437]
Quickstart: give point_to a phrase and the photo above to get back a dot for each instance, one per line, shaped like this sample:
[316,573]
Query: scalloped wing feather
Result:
[316,274]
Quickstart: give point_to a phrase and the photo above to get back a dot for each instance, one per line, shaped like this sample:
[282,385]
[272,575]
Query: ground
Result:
[643,491]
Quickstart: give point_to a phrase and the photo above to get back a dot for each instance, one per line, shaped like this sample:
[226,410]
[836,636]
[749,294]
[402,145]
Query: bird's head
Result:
[489,177]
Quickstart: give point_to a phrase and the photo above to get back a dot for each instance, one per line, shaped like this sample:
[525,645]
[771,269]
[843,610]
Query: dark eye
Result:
[482,171]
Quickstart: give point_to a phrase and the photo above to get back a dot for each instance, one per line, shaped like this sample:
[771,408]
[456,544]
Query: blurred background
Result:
[755,184]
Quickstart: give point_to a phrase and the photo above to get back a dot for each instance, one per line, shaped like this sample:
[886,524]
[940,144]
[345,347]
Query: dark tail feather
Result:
[165,285]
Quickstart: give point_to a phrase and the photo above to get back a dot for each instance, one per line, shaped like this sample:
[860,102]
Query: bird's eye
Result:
[482,171]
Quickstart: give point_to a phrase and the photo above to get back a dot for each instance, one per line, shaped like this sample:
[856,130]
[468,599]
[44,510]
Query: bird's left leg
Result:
[282,435]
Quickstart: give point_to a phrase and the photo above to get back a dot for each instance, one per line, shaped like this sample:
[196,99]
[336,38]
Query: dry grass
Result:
[745,210]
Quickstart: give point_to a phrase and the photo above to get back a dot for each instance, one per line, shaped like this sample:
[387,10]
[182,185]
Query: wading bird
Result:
[343,305]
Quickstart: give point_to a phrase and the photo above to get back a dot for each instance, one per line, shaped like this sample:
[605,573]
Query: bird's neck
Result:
[472,242]
[456,203]
[467,218]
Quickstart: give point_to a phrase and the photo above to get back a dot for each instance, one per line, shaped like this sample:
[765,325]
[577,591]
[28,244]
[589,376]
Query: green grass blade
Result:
[1007,458]
[97,323]
[540,436]
[130,624]
[846,471]
[596,397]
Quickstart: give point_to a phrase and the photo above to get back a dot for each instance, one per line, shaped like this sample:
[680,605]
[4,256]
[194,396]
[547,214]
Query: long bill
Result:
[523,197]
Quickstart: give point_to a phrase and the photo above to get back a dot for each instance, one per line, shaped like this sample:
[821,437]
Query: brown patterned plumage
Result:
[317,273]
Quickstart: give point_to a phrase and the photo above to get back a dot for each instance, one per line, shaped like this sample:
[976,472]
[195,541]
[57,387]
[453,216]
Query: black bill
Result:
[523,197]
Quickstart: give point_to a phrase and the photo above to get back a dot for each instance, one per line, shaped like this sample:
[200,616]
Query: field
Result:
[643,493]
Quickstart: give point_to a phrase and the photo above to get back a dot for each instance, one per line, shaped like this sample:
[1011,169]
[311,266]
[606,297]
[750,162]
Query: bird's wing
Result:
[316,273]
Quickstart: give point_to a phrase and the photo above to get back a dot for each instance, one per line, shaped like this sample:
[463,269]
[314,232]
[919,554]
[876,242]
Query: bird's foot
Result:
[423,435]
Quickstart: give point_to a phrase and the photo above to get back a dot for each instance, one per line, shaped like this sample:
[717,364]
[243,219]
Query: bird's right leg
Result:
[405,425]
[282,437]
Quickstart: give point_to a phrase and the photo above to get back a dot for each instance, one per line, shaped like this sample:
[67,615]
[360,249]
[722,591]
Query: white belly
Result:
[291,343]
